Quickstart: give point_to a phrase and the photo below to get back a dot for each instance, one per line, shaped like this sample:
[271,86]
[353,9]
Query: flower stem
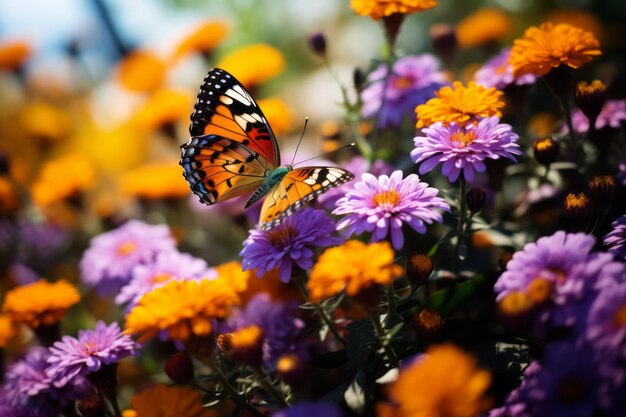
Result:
[231,390]
[320,311]
[461,224]
[269,387]
[384,341]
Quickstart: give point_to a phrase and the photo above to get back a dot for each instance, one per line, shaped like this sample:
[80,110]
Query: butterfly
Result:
[233,151]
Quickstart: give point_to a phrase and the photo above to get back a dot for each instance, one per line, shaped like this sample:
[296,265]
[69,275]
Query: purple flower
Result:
[288,243]
[310,409]
[615,240]
[613,115]
[382,205]
[498,73]
[108,262]
[560,275]
[27,382]
[93,349]
[464,148]
[358,166]
[414,80]
[166,267]
[281,328]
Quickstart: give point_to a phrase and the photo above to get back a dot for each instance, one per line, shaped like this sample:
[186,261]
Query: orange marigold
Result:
[444,382]
[352,266]
[181,309]
[164,401]
[278,114]
[13,54]
[62,178]
[549,46]
[234,276]
[460,104]
[164,107]
[46,122]
[40,303]
[202,39]
[253,64]
[377,9]
[6,330]
[155,181]
[141,71]
[485,25]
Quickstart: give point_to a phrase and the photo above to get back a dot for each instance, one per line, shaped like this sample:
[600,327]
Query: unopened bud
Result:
[358,78]
[290,369]
[602,190]
[578,210]
[418,269]
[475,199]
[590,98]
[92,406]
[444,41]
[428,324]
[179,367]
[317,42]
[546,150]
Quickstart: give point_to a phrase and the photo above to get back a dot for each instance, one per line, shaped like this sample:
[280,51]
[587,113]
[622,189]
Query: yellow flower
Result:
[13,54]
[202,39]
[353,266]
[141,71]
[40,303]
[46,122]
[549,46]
[163,401]
[253,64]
[234,276]
[62,178]
[155,181]
[181,308]
[164,107]
[381,8]
[460,104]
[278,114]
[6,330]
[445,382]
[485,25]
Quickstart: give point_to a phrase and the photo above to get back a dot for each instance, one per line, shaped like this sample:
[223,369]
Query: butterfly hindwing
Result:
[218,168]
[296,188]
[225,108]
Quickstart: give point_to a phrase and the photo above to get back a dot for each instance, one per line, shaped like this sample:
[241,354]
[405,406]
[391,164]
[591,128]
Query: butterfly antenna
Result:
[349,145]
[306,122]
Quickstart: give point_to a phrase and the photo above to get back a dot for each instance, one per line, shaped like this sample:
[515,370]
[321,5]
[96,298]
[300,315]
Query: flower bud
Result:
[317,43]
[578,210]
[92,406]
[418,269]
[244,345]
[602,190]
[546,150]
[291,369]
[428,324]
[358,78]
[179,367]
[444,41]
[590,98]
[4,164]
[504,259]
[475,199]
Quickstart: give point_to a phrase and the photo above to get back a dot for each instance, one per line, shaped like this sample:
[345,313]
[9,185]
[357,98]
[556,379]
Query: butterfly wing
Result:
[296,188]
[218,168]
[225,108]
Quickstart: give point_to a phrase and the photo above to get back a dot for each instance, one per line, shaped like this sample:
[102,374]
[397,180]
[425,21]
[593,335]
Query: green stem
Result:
[461,223]
[384,341]
[231,390]
[320,311]
[269,387]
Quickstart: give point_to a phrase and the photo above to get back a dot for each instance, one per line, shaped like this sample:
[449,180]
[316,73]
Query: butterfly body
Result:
[233,152]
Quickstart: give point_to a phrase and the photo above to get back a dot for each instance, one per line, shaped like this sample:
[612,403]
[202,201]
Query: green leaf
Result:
[448,299]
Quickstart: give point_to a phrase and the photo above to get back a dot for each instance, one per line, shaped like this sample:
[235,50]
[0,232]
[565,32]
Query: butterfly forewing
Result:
[297,187]
[225,108]
[219,168]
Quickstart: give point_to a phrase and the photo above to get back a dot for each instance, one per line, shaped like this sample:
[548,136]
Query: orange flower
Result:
[485,25]
[164,401]
[232,274]
[46,122]
[353,266]
[141,71]
[182,309]
[381,8]
[6,330]
[202,39]
[253,64]
[444,382]
[62,178]
[549,46]
[40,303]
[278,114]
[155,181]
[460,104]
[13,54]
[164,107]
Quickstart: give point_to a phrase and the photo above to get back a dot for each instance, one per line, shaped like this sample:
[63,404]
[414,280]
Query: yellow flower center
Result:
[281,236]
[619,318]
[462,139]
[517,302]
[401,83]
[89,347]
[127,248]
[388,198]
[162,277]
[502,69]
[539,290]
